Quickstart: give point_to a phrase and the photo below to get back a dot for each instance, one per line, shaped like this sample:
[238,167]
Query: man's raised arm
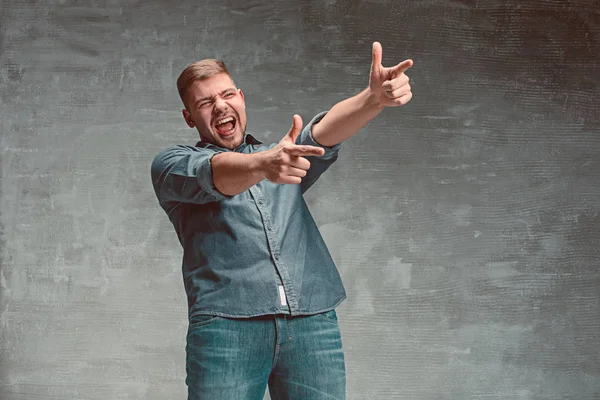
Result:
[388,87]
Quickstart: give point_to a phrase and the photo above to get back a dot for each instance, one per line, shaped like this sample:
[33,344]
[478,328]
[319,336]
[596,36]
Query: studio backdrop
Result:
[465,225]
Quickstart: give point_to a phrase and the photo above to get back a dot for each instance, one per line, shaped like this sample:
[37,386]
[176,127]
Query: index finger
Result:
[304,150]
[403,66]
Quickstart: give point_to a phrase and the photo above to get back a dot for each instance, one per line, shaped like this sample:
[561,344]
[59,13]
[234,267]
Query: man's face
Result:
[217,109]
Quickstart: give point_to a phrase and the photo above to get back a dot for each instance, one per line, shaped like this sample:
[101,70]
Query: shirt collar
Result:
[248,140]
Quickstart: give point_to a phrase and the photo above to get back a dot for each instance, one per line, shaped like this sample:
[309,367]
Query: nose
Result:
[220,105]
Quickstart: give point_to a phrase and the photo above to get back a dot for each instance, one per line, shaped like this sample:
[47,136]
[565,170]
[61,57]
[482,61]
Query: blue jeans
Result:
[295,357]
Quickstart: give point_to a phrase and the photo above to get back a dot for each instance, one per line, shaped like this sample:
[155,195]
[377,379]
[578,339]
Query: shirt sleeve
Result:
[318,164]
[184,174]
[306,138]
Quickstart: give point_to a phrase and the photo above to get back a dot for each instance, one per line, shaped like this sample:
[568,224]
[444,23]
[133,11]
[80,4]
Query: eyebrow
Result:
[210,97]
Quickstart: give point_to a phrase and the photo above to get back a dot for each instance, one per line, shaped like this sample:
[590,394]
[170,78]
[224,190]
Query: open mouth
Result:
[225,126]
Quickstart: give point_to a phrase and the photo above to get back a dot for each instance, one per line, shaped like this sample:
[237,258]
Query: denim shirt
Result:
[256,253]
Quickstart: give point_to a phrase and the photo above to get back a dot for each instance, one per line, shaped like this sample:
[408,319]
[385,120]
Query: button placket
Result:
[274,247]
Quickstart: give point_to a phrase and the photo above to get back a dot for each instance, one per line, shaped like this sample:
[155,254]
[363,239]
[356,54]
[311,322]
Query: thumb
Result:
[376,56]
[294,130]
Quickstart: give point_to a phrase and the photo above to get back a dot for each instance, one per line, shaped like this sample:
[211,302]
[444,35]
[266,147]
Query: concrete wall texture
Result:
[465,225]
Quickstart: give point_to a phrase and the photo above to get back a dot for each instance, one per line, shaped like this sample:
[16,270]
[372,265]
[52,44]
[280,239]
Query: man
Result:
[261,285]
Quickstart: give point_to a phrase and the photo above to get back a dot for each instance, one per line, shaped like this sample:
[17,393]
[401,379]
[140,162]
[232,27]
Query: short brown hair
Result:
[198,71]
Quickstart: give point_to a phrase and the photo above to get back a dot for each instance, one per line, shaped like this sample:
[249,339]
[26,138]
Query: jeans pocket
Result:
[202,320]
[330,316]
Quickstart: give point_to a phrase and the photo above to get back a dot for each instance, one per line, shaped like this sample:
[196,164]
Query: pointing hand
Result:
[285,163]
[390,85]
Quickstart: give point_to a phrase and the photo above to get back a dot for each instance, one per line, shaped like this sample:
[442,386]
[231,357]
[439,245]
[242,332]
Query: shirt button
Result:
[261,202]
[269,228]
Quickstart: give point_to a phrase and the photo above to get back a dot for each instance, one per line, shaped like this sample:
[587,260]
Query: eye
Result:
[204,104]
[229,95]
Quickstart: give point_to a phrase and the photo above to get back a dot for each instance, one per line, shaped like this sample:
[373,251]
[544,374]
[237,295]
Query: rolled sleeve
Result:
[306,138]
[318,164]
[184,174]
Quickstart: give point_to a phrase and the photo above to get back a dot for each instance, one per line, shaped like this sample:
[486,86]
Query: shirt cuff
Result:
[306,138]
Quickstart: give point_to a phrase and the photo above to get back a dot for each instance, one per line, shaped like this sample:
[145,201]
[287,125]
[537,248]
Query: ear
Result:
[188,118]
[242,94]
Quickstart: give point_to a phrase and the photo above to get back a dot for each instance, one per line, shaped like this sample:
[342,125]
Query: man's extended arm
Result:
[346,118]
[388,87]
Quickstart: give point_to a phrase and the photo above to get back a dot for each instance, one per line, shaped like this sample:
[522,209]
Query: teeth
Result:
[224,120]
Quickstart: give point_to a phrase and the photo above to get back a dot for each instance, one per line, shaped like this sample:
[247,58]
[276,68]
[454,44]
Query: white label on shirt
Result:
[282,296]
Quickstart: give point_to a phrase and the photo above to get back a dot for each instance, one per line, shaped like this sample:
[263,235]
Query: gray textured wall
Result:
[465,225]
